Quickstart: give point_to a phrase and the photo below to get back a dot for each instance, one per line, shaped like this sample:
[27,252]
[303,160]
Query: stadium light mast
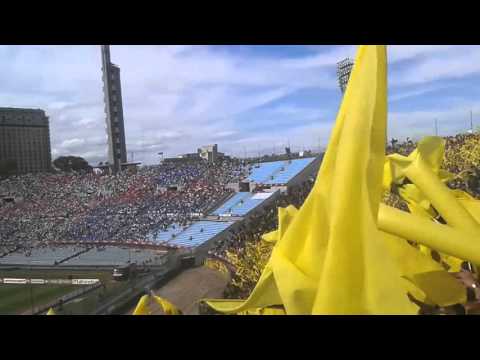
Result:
[344,69]
[471,121]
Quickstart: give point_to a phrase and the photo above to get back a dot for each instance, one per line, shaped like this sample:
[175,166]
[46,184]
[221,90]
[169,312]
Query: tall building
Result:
[344,69]
[25,139]
[112,90]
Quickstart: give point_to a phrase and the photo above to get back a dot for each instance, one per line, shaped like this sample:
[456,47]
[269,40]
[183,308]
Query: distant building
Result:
[25,139]
[112,90]
[210,153]
[189,156]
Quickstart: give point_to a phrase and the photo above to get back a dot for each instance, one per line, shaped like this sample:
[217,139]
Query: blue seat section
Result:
[199,233]
[248,205]
[290,170]
[264,171]
[160,236]
[231,203]
[239,205]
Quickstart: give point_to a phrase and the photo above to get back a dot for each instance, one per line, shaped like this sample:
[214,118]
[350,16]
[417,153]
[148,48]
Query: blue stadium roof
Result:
[278,172]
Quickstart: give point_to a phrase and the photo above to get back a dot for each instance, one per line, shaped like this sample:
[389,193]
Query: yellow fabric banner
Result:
[343,252]
[51,312]
[144,306]
[167,306]
[332,259]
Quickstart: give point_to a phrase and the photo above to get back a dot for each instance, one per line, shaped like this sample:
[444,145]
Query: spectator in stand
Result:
[65,207]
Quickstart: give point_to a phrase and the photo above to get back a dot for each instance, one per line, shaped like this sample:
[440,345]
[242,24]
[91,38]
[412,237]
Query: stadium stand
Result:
[199,233]
[112,255]
[241,204]
[73,256]
[291,170]
[262,172]
[278,172]
[231,203]
[161,236]
[41,256]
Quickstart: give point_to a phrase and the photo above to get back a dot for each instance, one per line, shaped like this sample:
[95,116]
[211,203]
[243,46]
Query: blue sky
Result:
[245,98]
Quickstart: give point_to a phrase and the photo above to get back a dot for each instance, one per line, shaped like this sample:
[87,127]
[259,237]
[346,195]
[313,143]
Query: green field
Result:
[17,299]
[88,303]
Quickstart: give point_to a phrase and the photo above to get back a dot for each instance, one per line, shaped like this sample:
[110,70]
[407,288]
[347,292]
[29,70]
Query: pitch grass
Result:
[91,301]
[17,299]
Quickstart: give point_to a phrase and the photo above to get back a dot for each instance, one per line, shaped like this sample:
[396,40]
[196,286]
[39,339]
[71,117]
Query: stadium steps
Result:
[72,256]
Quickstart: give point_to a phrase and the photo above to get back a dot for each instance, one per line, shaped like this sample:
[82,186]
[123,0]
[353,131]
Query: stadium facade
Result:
[25,139]
[112,90]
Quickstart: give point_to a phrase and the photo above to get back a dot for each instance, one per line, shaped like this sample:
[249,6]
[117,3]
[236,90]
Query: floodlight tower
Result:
[344,68]
[117,151]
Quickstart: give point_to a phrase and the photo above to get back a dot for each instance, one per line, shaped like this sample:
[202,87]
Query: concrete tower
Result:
[117,151]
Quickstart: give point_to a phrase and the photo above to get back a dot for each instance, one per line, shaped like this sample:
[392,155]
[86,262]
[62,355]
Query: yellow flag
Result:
[332,258]
[51,312]
[278,310]
[142,306]
[458,208]
[285,217]
[167,306]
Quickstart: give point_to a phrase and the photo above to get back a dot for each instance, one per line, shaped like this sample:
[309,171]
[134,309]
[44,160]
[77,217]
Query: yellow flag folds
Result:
[144,306]
[343,252]
[51,312]
[332,258]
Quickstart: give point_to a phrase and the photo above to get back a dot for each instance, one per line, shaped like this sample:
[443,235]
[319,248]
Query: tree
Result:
[72,163]
[8,167]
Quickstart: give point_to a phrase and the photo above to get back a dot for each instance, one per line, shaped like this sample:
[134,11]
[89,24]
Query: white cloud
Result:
[177,98]
[422,123]
[397,53]
[455,63]
[72,143]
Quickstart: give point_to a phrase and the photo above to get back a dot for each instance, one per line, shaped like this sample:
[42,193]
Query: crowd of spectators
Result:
[51,208]
[263,221]
[462,158]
